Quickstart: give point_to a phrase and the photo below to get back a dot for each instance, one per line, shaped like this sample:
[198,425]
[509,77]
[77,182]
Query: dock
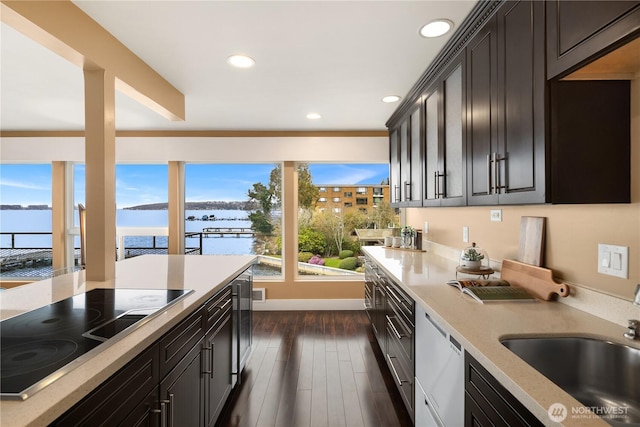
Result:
[226,231]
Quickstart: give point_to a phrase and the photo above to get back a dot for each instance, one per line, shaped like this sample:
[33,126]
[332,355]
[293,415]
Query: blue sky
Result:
[142,184]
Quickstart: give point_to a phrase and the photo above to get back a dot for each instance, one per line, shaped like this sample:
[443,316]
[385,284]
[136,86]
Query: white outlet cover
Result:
[496,215]
[465,234]
[426,227]
[613,260]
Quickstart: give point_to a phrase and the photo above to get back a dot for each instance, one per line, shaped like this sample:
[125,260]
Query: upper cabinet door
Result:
[453,160]
[521,110]
[445,172]
[394,167]
[482,114]
[505,107]
[578,31]
[414,189]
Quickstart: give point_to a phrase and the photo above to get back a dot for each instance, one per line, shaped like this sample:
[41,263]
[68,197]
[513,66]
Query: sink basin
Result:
[601,375]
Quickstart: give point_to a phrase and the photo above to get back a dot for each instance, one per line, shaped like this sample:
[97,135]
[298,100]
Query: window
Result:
[326,229]
[235,208]
[362,201]
[141,206]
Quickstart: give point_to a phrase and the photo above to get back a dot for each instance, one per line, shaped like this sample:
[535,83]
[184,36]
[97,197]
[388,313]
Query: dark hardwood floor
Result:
[315,368]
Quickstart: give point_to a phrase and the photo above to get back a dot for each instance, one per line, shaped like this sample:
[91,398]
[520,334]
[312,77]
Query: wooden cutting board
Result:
[537,280]
[532,231]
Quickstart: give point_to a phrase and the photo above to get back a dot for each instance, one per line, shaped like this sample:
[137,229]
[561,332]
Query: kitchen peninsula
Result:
[205,276]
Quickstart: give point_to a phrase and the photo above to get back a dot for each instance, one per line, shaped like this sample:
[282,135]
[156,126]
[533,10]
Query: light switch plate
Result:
[613,260]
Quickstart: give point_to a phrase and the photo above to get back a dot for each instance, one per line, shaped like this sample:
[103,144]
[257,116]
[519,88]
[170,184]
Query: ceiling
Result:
[334,58]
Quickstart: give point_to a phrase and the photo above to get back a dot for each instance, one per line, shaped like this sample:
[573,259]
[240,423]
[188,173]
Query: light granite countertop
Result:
[479,327]
[205,275]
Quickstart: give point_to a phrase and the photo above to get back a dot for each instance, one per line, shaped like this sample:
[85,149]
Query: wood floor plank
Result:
[315,368]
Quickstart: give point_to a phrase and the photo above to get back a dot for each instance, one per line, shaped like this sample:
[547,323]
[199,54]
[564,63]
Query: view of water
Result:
[40,221]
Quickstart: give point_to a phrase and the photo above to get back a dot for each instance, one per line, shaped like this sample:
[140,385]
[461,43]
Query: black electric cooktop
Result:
[40,346]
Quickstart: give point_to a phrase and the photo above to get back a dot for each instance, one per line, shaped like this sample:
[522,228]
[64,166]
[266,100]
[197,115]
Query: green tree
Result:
[307,192]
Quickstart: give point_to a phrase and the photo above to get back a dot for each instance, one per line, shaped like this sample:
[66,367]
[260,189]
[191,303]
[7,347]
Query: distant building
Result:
[361,197]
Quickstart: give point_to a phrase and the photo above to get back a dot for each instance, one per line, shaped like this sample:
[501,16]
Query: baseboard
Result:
[308,304]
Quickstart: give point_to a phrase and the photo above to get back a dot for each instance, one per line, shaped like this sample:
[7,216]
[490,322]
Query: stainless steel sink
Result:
[601,375]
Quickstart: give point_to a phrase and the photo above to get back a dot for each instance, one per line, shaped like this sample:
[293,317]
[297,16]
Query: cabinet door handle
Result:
[407,190]
[207,371]
[489,174]
[393,328]
[170,410]
[163,412]
[495,173]
[396,191]
[211,360]
[395,372]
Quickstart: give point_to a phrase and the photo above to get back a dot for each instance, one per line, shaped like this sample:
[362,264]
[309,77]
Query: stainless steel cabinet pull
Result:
[207,371]
[211,360]
[396,192]
[395,373]
[489,189]
[407,190]
[170,409]
[163,413]
[393,328]
[495,173]
[225,304]
[393,294]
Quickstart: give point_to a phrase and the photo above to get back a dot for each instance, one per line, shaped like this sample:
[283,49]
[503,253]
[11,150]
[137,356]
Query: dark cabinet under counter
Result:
[488,403]
[184,378]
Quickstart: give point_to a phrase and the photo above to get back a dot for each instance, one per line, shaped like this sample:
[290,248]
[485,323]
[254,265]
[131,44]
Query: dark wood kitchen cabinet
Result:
[406,147]
[217,376]
[579,31]
[487,403]
[445,142]
[126,392]
[394,168]
[506,107]
[182,391]
[184,378]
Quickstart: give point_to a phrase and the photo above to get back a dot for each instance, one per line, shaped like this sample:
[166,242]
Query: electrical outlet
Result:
[496,215]
[465,234]
[613,260]
[426,227]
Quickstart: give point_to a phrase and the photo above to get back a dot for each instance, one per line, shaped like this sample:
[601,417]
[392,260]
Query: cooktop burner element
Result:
[41,345]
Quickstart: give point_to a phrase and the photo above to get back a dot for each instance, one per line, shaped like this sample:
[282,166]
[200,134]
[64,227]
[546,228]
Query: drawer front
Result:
[403,304]
[401,371]
[217,307]
[402,335]
[119,396]
[180,340]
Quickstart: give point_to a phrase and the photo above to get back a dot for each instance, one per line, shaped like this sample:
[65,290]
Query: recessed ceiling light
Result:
[436,28]
[313,116]
[241,61]
[391,98]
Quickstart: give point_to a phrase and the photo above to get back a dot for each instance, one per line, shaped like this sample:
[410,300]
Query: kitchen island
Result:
[479,328]
[203,275]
